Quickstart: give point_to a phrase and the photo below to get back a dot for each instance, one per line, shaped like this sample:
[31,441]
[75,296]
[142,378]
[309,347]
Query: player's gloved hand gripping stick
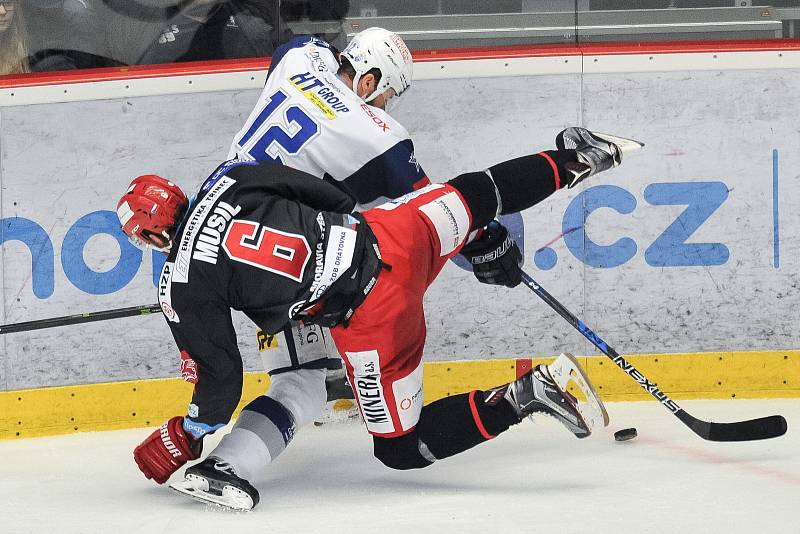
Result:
[754,429]
[494,256]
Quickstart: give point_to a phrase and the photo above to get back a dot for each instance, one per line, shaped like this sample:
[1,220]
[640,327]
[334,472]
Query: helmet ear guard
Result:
[377,48]
[151,206]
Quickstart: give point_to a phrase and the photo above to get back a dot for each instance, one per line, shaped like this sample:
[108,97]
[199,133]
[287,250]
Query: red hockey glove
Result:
[166,450]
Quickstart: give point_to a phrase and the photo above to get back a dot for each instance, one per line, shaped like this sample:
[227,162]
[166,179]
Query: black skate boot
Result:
[536,392]
[597,152]
[214,481]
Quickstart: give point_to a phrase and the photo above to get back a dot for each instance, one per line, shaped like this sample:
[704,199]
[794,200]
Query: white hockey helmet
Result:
[376,48]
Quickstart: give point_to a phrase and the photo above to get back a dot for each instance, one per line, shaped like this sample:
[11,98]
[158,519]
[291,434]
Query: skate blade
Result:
[626,146]
[578,433]
[197,488]
[571,378]
[339,411]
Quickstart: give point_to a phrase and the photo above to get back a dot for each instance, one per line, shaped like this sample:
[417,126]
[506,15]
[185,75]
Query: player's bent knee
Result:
[400,453]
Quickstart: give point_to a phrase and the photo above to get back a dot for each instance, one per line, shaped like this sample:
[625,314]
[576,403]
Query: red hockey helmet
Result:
[149,211]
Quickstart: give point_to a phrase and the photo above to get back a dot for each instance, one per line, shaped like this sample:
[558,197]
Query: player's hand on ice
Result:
[166,450]
[494,256]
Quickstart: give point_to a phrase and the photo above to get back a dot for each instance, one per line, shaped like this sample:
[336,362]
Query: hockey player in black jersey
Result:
[281,246]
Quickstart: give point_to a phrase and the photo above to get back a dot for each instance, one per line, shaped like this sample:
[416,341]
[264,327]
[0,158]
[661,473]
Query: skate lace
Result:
[224,467]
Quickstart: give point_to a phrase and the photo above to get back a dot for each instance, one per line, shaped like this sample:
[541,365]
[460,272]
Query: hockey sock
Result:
[454,424]
[262,432]
[517,184]
[526,181]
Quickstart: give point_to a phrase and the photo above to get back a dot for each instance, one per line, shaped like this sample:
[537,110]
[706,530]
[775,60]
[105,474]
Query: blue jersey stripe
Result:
[391,174]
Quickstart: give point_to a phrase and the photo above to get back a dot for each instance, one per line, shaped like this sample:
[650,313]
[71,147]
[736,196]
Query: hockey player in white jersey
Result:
[324,113]
[328,119]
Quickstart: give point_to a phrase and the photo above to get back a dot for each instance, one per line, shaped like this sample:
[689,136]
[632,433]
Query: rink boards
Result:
[145,403]
[690,247]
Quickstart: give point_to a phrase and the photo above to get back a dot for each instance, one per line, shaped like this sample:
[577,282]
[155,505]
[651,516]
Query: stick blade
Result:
[752,430]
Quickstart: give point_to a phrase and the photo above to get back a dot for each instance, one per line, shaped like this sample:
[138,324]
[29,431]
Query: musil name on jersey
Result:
[206,248]
[197,219]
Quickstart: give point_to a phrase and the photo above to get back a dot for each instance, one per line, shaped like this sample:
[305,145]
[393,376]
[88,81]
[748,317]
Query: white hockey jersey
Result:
[308,119]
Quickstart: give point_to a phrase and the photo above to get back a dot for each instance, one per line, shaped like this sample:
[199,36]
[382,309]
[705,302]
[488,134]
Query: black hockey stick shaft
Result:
[87,317]
[754,429]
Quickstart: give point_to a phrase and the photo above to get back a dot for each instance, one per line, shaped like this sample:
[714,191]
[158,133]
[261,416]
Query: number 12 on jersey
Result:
[276,130]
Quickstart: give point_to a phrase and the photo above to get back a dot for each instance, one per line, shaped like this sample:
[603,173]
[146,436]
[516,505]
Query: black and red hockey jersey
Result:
[260,238]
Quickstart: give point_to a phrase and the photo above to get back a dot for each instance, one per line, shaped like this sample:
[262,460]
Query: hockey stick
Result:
[87,317]
[754,429]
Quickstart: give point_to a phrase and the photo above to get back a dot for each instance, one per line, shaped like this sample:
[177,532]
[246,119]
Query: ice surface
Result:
[535,478]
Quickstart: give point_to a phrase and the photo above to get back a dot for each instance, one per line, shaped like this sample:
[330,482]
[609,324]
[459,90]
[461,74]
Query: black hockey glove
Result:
[494,256]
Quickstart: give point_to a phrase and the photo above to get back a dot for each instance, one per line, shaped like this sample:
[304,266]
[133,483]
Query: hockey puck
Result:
[625,434]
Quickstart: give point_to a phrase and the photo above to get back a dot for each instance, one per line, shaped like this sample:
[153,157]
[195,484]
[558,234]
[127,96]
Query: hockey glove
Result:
[494,256]
[166,450]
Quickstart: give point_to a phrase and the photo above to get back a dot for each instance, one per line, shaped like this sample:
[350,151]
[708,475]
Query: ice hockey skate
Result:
[214,481]
[341,405]
[597,152]
[545,390]
[569,376]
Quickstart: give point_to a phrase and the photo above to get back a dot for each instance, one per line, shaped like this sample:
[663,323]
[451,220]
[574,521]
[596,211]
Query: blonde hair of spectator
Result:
[13,49]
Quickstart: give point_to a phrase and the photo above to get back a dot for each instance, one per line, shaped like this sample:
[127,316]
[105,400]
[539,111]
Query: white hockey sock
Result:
[267,425]
[302,392]
[245,451]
